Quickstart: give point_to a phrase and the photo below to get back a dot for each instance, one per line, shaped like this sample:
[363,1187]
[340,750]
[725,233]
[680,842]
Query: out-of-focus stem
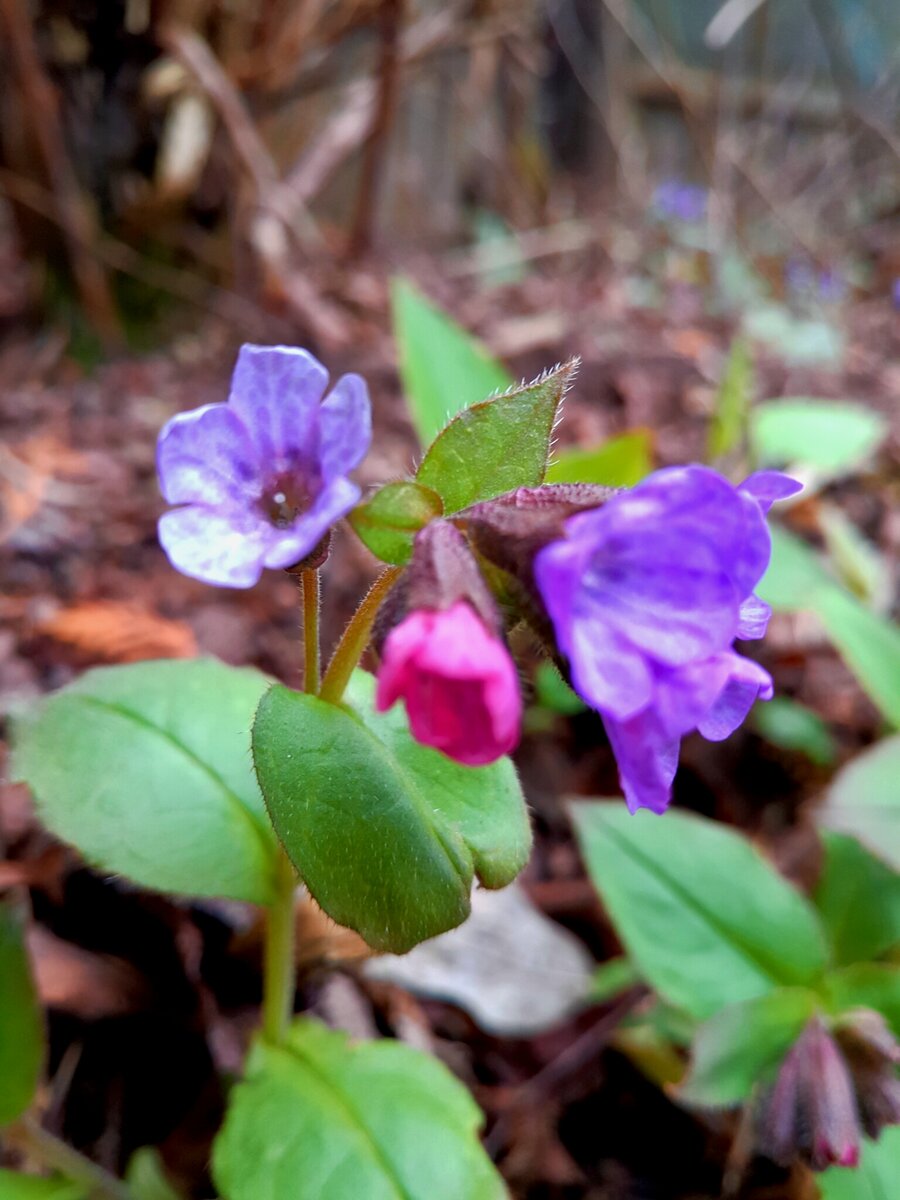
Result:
[30,1136]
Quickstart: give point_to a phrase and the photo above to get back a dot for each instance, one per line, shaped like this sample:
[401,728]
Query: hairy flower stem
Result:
[356,637]
[31,1137]
[278,968]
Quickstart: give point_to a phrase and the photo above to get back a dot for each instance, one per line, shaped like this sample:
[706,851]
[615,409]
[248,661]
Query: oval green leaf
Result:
[864,800]
[743,1044]
[858,898]
[386,834]
[498,445]
[443,368]
[831,435]
[21,1024]
[707,921]
[322,1118]
[146,770]
[620,462]
[390,519]
[867,985]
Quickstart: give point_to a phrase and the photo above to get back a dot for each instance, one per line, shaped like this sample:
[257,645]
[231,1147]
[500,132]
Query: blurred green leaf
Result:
[620,462]
[874,1179]
[146,1177]
[864,800]
[497,445]
[14,1186]
[797,339]
[443,368]
[322,1118]
[706,920]
[145,768]
[390,519]
[742,1045]
[21,1024]
[856,560]
[867,985]
[387,834]
[611,978]
[870,644]
[552,692]
[792,726]
[834,436]
[858,898]
[733,398]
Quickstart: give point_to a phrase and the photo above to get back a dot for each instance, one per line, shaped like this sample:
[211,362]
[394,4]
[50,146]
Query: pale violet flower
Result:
[261,480]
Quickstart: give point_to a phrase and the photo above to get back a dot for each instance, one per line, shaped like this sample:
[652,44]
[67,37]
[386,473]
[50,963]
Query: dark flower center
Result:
[286,497]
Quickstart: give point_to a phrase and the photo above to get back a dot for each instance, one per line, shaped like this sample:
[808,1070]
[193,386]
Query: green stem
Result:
[31,1137]
[356,637]
[279,978]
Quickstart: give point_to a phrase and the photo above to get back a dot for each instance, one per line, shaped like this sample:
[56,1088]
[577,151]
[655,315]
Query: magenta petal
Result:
[223,548]
[206,457]
[345,426]
[289,546]
[647,759]
[747,682]
[276,391]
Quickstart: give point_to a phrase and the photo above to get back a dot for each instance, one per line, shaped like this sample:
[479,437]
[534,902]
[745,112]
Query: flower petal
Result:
[747,682]
[682,696]
[345,427]
[606,671]
[289,546]
[766,487]
[753,619]
[226,548]
[206,457]
[276,391]
[647,759]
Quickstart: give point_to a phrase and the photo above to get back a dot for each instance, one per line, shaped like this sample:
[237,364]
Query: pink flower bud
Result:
[458,682]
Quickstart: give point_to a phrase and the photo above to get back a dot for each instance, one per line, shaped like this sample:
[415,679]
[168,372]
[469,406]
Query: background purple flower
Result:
[647,594]
[262,478]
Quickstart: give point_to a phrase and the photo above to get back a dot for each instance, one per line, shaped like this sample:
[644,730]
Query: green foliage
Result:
[146,1177]
[864,800]
[795,339]
[386,833]
[146,769]
[870,644]
[552,692]
[622,461]
[613,977]
[726,432]
[324,1119]
[792,726]
[832,436]
[443,368]
[743,1044]
[21,1026]
[858,898]
[498,445]
[14,1186]
[858,564]
[867,985]
[706,920]
[874,1179]
[390,519]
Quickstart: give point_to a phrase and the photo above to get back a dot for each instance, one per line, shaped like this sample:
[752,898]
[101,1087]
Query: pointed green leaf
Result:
[322,1118]
[387,834]
[743,1044]
[732,401]
[864,800]
[14,1186]
[858,898]
[497,445]
[145,768]
[619,462]
[390,519]
[706,920]
[443,368]
[21,1025]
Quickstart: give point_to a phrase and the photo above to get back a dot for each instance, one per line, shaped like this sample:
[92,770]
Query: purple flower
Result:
[683,201]
[262,478]
[646,595]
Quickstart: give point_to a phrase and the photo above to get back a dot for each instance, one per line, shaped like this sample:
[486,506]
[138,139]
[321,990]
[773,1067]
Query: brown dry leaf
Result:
[116,631]
[78,981]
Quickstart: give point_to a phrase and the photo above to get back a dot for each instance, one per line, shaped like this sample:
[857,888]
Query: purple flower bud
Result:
[872,1053]
[683,201]
[810,1111]
[646,595]
[261,479]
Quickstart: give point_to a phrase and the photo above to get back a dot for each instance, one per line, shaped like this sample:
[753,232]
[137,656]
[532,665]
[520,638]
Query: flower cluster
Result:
[639,594]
